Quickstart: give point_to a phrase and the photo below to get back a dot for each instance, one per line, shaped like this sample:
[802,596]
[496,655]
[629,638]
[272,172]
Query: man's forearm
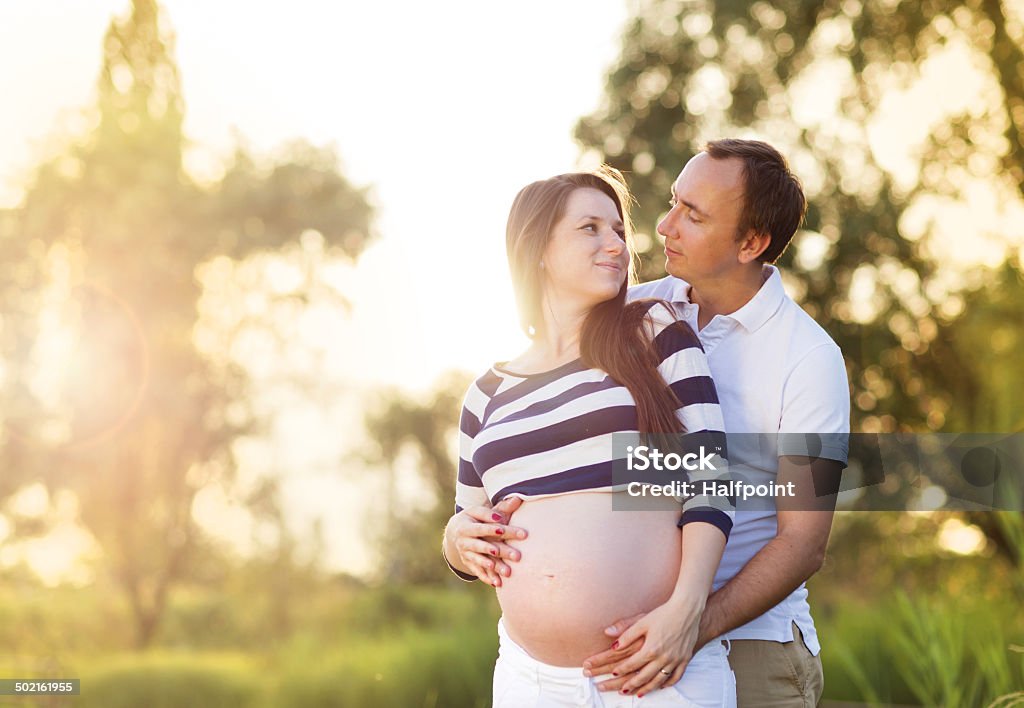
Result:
[794,555]
[777,570]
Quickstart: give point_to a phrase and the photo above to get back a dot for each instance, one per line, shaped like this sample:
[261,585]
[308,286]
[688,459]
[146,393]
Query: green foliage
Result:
[53,624]
[410,542]
[396,646]
[903,621]
[856,665]
[412,668]
[1012,527]
[933,651]
[404,646]
[392,608]
[390,646]
[1009,700]
[172,681]
[693,71]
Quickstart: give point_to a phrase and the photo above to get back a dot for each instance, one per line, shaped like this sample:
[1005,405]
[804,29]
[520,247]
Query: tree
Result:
[929,346]
[109,238]
[399,424]
[816,77]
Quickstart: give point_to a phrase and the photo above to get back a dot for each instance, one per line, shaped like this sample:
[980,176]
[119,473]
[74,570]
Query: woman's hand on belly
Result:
[478,536]
[662,641]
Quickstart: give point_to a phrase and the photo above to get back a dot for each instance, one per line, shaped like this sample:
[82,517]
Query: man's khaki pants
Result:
[776,674]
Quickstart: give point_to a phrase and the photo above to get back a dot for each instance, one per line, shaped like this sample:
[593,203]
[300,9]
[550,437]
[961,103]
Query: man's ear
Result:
[753,245]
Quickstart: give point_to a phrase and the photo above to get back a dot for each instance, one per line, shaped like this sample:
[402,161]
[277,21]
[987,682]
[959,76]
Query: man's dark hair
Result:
[773,200]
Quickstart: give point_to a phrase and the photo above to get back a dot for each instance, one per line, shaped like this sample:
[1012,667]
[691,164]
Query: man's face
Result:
[700,228]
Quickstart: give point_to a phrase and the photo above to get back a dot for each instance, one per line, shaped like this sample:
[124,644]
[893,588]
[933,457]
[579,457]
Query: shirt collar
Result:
[757,310]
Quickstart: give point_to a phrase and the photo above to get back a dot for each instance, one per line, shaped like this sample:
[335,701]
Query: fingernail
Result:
[496,517]
[494,552]
[587,665]
[521,534]
[625,692]
[586,672]
[615,673]
[639,695]
[615,645]
[609,629]
[499,531]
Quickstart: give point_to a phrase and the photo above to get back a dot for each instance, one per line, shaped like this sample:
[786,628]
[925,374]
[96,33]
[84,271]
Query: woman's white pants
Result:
[520,681]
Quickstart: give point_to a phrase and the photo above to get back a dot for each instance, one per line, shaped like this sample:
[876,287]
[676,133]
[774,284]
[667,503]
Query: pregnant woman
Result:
[538,430]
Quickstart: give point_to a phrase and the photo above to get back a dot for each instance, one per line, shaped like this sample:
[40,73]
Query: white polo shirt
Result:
[776,371]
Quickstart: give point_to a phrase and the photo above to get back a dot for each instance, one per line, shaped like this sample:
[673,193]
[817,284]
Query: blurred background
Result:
[250,258]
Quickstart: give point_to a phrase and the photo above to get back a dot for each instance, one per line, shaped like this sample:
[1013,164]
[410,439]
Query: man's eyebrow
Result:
[689,205]
[693,207]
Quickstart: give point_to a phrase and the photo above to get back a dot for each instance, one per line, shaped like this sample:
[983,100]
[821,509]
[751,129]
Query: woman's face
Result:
[586,259]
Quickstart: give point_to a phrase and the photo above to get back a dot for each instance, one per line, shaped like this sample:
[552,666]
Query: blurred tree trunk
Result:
[428,428]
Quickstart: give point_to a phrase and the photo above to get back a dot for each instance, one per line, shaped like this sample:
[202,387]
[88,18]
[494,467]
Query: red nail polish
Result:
[499,531]
[494,552]
[496,517]
[615,645]
[615,673]
[639,695]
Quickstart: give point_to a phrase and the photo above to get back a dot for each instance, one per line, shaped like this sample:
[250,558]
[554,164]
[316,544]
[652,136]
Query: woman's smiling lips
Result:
[670,252]
[611,266]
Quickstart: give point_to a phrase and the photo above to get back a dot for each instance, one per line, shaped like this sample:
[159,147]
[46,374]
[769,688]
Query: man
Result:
[735,207]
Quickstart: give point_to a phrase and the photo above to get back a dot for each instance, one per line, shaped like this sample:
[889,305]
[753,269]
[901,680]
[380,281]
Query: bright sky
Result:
[444,109]
[445,112]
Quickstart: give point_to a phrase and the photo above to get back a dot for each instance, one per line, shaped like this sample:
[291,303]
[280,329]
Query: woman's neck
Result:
[557,340]
[559,337]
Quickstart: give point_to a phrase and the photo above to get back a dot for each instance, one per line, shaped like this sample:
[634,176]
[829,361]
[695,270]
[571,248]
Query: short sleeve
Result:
[469,488]
[684,366]
[816,407]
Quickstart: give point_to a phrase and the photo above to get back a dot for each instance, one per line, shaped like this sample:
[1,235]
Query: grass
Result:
[952,645]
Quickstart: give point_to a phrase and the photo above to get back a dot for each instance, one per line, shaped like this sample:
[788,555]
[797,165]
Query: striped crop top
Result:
[547,434]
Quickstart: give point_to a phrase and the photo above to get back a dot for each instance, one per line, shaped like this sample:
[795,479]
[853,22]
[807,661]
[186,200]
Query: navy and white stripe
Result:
[551,433]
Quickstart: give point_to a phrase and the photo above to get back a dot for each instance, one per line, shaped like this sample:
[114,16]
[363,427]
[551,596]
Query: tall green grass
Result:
[939,651]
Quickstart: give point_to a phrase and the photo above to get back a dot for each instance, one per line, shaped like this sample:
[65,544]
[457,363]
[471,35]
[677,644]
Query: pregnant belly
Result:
[584,566]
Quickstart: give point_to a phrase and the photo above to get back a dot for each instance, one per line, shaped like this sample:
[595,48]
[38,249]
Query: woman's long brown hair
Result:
[614,337]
